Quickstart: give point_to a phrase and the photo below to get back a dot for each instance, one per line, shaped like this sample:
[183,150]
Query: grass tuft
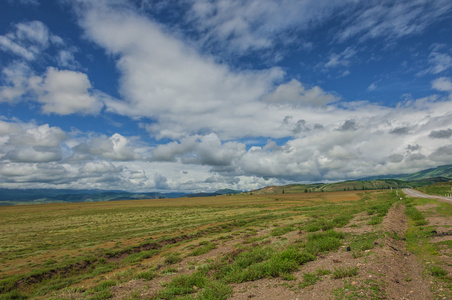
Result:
[343,272]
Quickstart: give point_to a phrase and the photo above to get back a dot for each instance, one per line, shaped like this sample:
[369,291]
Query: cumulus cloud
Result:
[31,135]
[116,148]
[294,93]
[15,82]
[204,150]
[441,134]
[66,92]
[348,125]
[216,125]
[60,92]
[34,154]
[44,156]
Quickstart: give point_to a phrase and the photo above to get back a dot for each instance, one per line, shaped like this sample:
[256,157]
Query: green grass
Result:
[323,241]
[53,247]
[343,272]
[263,262]
[203,248]
[278,231]
[182,285]
[419,237]
[308,279]
[172,258]
[146,275]
[415,215]
[438,271]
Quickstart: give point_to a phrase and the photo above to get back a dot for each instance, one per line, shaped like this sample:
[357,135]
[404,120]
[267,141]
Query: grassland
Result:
[199,248]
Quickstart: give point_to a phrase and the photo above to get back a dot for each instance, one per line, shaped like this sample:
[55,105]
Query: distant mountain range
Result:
[40,196]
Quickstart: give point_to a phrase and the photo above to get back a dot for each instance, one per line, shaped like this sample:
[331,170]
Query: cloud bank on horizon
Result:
[202,95]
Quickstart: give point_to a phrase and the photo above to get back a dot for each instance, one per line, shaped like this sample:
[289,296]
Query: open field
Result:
[330,245]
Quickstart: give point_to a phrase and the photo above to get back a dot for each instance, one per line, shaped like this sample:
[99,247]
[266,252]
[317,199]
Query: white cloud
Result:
[31,135]
[6,44]
[28,39]
[66,59]
[210,110]
[15,79]
[341,59]
[372,87]
[114,148]
[256,24]
[61,92]
[439,62]
[294,93]
[392,20]
[442,84]
[203,150]
[34,154]
[66,92]
[34,32]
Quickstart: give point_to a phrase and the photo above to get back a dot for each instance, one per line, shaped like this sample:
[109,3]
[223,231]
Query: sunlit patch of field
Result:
[76,242]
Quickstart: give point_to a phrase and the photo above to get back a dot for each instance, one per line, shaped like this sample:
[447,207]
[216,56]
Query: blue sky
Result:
[202,95]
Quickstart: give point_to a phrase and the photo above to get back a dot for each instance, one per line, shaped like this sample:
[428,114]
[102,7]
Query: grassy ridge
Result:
[440,189]
[349,186]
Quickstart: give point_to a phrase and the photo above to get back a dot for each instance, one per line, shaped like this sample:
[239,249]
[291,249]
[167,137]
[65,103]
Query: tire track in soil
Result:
[404,272]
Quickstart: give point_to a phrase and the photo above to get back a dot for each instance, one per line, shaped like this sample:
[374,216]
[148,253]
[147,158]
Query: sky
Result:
[201,95]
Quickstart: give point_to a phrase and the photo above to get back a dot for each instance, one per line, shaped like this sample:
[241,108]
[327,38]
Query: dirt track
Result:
[417,194]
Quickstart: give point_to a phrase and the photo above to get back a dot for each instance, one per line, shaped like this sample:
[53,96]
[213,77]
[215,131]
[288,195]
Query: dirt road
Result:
[417,194]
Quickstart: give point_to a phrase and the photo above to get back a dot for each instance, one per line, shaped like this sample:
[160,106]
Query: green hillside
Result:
[441,174]
[440,188]
[441,171]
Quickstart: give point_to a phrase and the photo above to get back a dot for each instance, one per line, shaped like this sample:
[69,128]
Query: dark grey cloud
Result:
[441,134]
[349,125]
[413,147]
[400,131]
